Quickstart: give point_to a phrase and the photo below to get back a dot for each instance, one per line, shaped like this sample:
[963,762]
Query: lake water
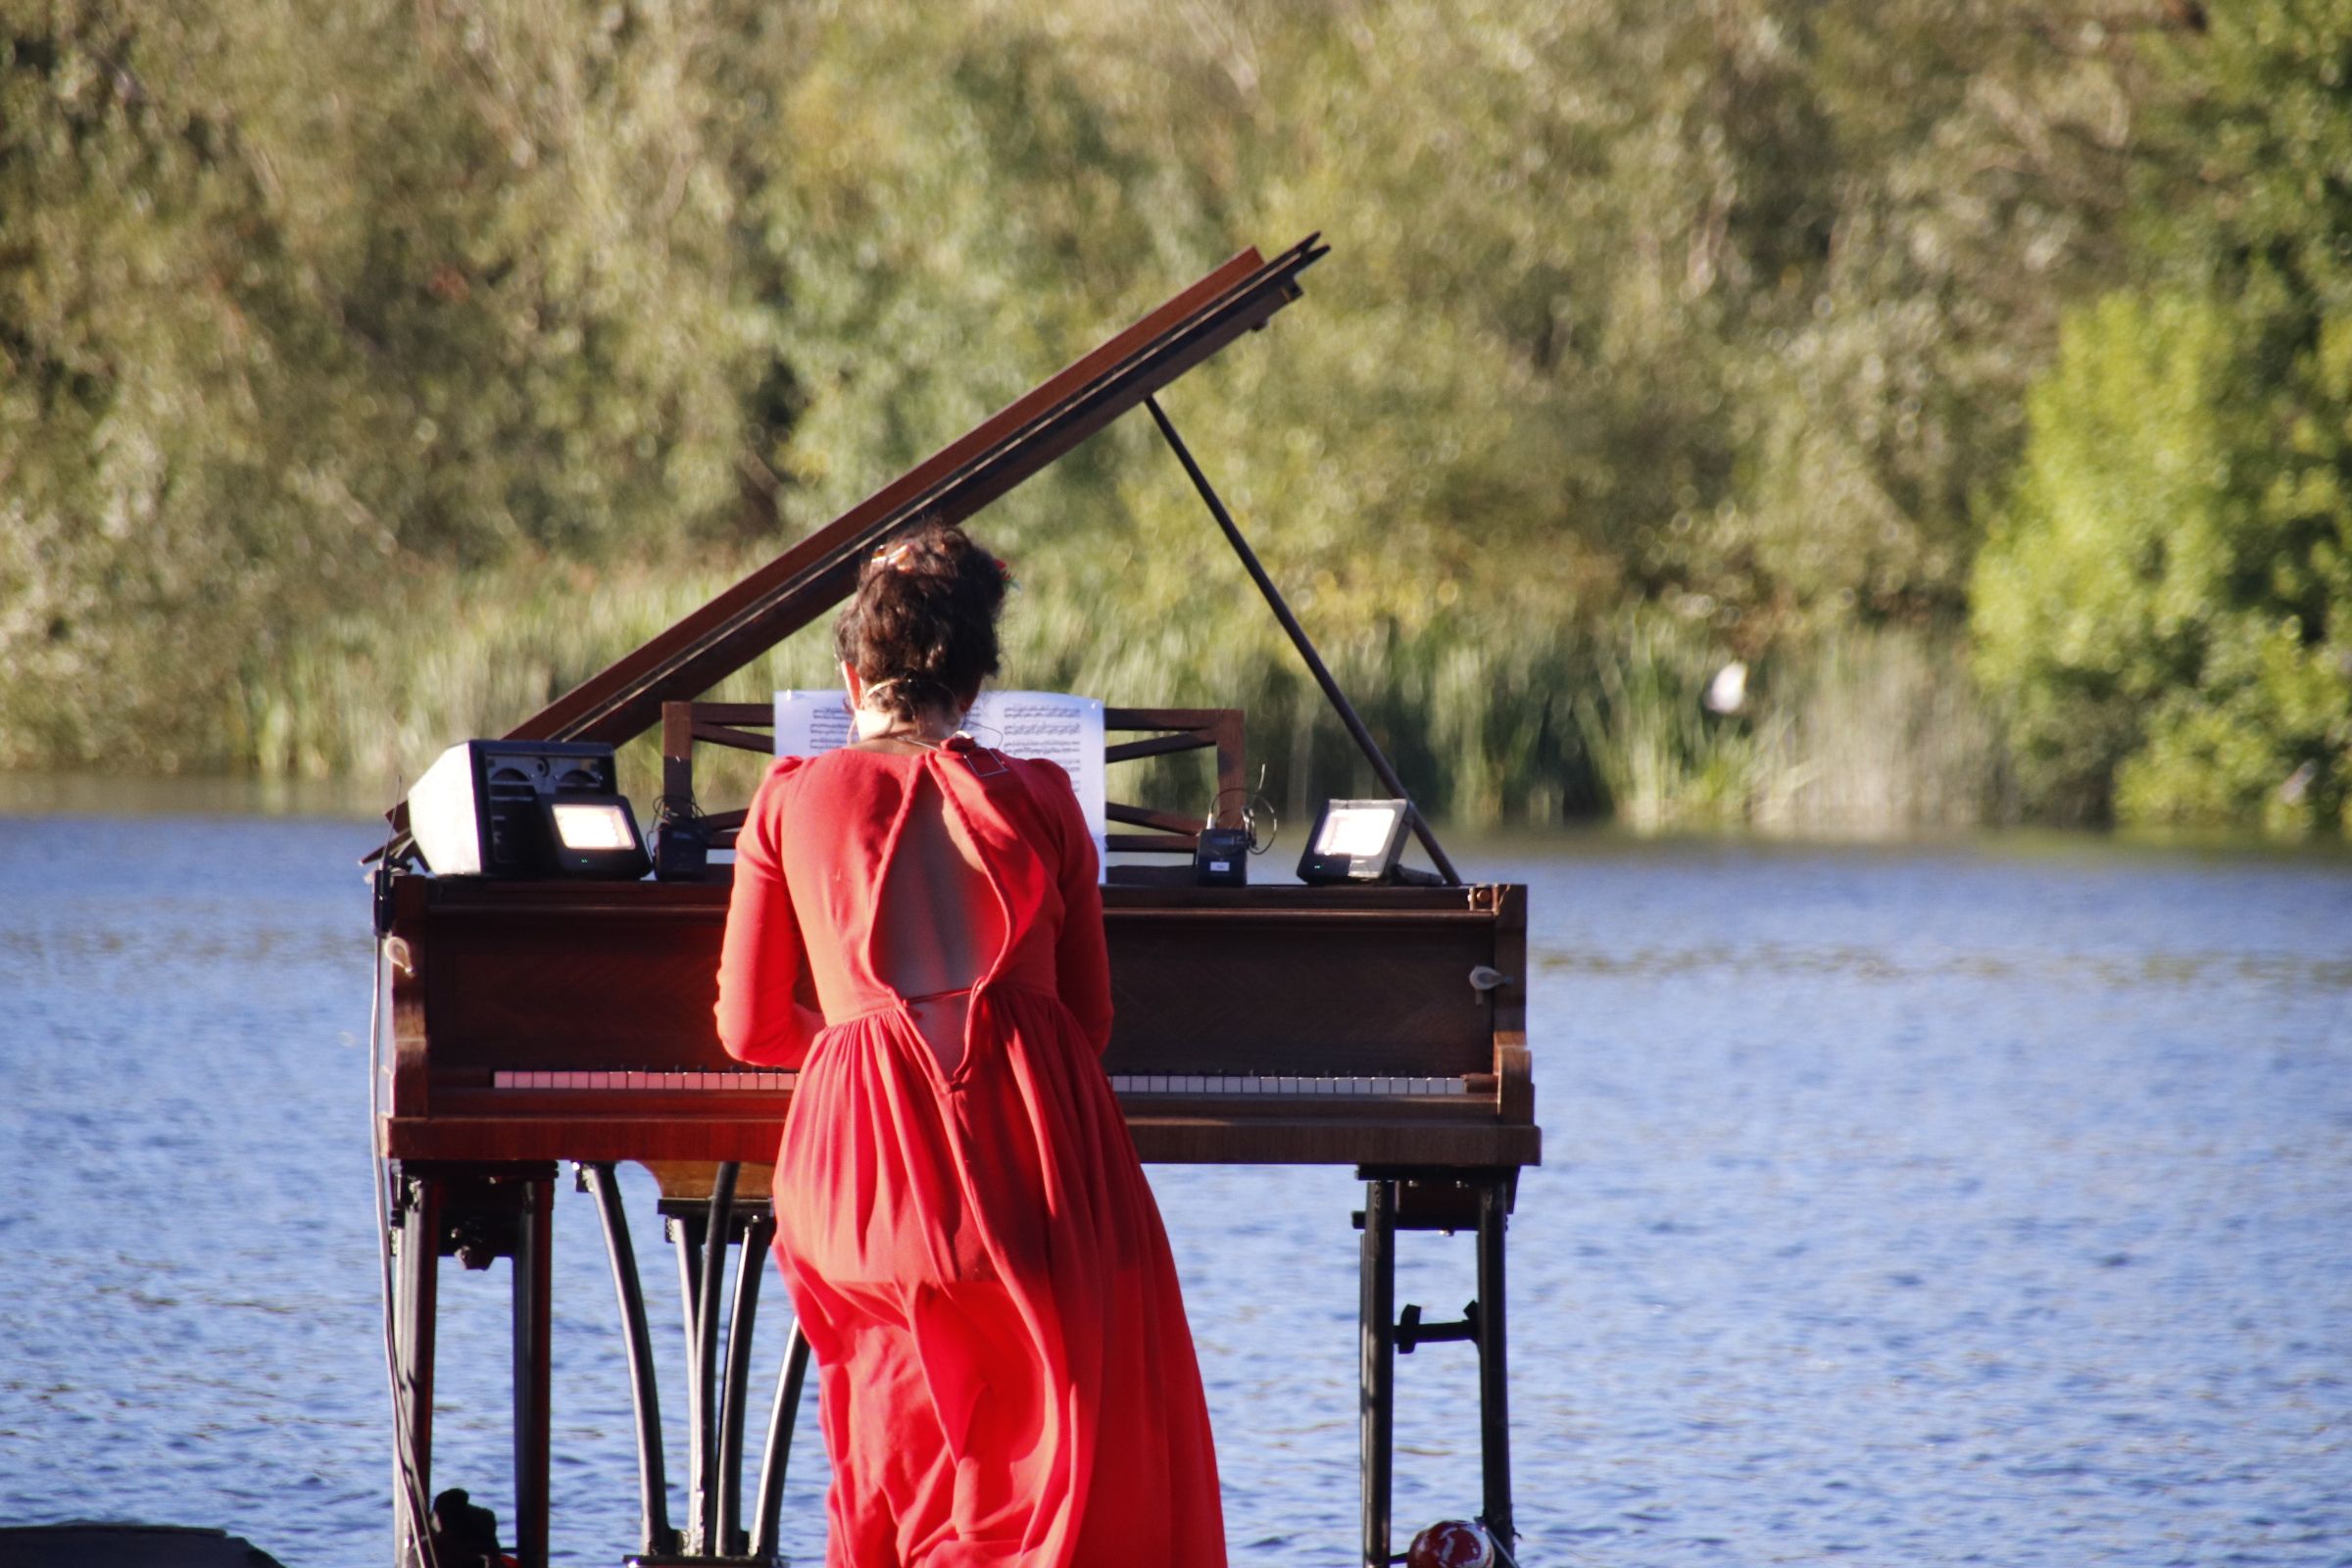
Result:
[1983,1203]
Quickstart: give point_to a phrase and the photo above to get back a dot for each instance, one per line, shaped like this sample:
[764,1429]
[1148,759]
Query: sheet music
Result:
[812,724]
[1056,726]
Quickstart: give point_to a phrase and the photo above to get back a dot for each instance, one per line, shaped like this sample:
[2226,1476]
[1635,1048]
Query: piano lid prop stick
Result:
[1298,639]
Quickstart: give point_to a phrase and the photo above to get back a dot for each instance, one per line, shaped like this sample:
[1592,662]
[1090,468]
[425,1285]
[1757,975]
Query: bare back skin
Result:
[938,925]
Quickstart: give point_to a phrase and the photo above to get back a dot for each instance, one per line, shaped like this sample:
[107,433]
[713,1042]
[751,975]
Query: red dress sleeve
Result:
[767,1012]
[1082,959]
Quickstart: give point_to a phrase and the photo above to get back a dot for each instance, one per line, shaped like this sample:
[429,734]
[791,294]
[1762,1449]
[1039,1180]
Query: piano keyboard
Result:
[1128,1085]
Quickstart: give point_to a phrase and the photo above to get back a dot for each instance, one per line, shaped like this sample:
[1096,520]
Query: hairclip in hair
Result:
[1004,570]
[894,555]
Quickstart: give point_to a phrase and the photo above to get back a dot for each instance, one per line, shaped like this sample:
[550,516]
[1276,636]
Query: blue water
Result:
[1974,1205]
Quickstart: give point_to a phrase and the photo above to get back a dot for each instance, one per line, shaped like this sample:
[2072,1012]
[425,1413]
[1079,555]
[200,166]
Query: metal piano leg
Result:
[1377,1402]
[417,1231]
[479,1213]
[778,1454]
[703,1440]
[533,1263]
[653,1485]
[718,1401]
[735,1389]
[1434,1200]
[1494,1366]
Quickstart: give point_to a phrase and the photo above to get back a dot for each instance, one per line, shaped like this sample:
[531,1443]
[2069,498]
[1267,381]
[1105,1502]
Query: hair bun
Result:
[923,618]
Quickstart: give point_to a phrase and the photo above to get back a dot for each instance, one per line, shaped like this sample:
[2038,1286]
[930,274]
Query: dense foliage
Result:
[373,370]
[2167,602]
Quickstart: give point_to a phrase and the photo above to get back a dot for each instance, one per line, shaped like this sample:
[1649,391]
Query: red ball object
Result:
[1452,1544]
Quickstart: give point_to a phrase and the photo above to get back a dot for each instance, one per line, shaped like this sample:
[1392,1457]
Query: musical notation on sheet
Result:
[1054,725]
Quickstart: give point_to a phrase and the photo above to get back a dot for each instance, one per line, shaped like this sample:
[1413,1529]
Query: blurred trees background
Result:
[371,372]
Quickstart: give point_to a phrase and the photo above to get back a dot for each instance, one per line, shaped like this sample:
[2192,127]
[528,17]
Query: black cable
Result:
[411,1498]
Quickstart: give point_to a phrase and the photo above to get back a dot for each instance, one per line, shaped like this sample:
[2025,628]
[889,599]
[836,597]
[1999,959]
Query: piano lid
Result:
[746,620]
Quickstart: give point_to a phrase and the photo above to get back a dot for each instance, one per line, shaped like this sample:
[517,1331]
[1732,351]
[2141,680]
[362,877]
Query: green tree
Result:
[2165,607]
[300,302]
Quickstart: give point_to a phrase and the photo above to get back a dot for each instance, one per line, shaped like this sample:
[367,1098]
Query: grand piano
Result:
[539,1022]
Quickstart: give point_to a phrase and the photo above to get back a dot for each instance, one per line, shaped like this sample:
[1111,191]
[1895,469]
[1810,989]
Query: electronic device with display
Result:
[526,809]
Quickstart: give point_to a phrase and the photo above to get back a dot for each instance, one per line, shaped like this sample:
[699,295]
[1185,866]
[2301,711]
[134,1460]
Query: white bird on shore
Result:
[1726,693]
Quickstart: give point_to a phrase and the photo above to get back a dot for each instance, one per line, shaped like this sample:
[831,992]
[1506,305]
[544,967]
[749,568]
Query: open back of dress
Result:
[939,927]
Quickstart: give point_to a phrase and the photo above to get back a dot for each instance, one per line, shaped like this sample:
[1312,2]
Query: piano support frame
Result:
[481,1212]
[1421,1199]
[476,1213]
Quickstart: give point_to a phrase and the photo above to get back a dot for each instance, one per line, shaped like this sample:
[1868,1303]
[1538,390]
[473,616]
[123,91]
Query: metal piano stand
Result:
[476,1213]
[480,1213]
[1422,1199]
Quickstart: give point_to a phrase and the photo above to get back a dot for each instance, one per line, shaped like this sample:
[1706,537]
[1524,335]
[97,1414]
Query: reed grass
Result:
[1862,733]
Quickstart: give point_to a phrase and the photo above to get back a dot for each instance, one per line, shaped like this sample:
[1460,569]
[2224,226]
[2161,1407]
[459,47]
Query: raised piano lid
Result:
[746,620]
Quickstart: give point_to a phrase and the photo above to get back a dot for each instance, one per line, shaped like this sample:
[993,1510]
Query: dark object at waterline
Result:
[94,1546]
[464,1534]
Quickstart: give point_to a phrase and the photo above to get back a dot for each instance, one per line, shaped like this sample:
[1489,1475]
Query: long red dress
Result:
[1005,1371]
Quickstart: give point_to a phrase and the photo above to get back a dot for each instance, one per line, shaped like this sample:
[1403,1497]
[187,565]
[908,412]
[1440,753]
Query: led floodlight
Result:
[525,809]
[1356,841]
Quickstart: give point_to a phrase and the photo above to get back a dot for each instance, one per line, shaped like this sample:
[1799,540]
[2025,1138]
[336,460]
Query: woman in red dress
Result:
[1006,1374]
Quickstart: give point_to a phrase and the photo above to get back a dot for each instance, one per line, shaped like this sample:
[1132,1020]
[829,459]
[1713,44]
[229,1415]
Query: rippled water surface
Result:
[1982,1204]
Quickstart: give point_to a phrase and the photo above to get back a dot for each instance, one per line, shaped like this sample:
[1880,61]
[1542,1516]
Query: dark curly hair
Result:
[924,618]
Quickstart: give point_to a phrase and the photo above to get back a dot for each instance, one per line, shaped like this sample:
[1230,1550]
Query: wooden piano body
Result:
[533,1022]
[548,1021]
